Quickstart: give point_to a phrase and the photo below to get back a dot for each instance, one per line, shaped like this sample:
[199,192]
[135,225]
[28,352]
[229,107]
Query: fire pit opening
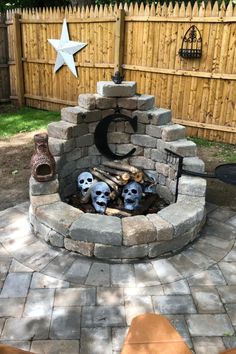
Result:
[119,191]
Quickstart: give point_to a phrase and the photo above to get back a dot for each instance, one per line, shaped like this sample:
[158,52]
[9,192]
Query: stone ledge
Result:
[98,229]
[138,230]
[110,89]
[43,188]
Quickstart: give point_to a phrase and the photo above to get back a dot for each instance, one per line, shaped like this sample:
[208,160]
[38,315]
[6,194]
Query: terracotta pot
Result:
[42,161]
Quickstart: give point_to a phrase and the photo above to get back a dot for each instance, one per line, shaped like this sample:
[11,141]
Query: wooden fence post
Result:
[18,60]
[119,40]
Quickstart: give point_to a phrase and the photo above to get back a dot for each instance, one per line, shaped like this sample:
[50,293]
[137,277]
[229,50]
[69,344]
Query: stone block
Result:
[142,162]
[82,129]
[164,229]
[107,112]
[110,89]
[62,130]
[56,239]
[93,151]
[26,328]
[68,145]
[162,168]
[138,230]
[39,302]
[128,102]
[43,188]
[85,140]
[125,148]
[154,116]
[73,155]
[79,296]
[56,146]
[99,275]
[173,132]
[209,325]
[105,102]
[183,147]
[158,155]
[147,153]
[99,338]
[73,115]
[192,186]
[38,200]
[103,316]
[114,252]
[16,285]
[174,304]
[88,161]
[145,102]
[154,130]
[55,346]
[126,112]
[92,127]
[183,215]
[84,248]
[143,140]
[98,229]
[59,216]
[141,128]
[118,138]
[193,164]
[87,100]
[65,324]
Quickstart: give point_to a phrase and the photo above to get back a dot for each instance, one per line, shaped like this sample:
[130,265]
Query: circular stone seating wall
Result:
[71,141]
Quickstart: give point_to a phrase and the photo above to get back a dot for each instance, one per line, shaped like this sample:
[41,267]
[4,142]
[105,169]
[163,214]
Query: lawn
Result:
[20,120]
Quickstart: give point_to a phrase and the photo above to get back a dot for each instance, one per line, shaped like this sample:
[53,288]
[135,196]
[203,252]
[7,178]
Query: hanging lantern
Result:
[191,44]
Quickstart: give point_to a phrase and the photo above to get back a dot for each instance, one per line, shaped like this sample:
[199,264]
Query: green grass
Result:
[227,152]
[14,121]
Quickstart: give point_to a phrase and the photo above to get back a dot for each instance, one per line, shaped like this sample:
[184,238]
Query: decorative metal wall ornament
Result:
[66,49]
[117,78]
[191,44]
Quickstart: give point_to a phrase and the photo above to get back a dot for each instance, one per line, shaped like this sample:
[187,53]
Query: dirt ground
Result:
[15,154]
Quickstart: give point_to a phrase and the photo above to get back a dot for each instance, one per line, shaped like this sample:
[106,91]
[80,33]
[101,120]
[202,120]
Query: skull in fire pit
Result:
[85,181]
[132,194]
[100,196]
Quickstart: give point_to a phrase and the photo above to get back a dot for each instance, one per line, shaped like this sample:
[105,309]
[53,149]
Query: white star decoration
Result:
[66,49]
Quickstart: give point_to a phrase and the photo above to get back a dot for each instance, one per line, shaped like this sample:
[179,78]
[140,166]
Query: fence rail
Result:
[144,42]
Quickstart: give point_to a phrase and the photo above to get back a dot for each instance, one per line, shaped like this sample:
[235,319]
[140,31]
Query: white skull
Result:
[100,194]
[132,194]
[85,181]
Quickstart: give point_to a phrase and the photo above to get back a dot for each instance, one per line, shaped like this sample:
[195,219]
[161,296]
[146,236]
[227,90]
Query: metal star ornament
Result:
[65,50]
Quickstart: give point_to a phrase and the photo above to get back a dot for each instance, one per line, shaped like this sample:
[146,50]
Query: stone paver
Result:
[59,302]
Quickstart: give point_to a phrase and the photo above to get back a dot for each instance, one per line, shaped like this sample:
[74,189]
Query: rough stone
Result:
[190,186]
[158,155]
[38,200]
[72,156]
[88,161]
[62,130]
[104,102]
[137,230]
[110,89]
[154,130]
[128,102]
[162,168]
[59,216]
[98,229]
[164,229]
[173,132]
[118,138]
[73,115]
[87,100]
[142,162]
[107,112]
[183,147]
[143,140]
[84,248]
[82,129]
[125,148]
[113,252]
[56,239]
[193,164]
[43,188]
[56,146]
[85,140]
[141,128]
[155,116]
[183,215]
[145,102]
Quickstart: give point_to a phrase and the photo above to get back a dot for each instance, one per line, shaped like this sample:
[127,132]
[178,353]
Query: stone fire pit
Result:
[71,141]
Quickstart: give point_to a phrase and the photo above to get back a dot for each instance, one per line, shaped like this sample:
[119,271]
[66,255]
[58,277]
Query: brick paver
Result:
[53,301]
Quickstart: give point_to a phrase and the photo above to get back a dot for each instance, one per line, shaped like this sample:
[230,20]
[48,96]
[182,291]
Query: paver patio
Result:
[55,302]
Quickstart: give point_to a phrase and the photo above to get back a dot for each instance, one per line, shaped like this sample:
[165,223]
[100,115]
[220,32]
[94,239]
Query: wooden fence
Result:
[144,42]
[4,70]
